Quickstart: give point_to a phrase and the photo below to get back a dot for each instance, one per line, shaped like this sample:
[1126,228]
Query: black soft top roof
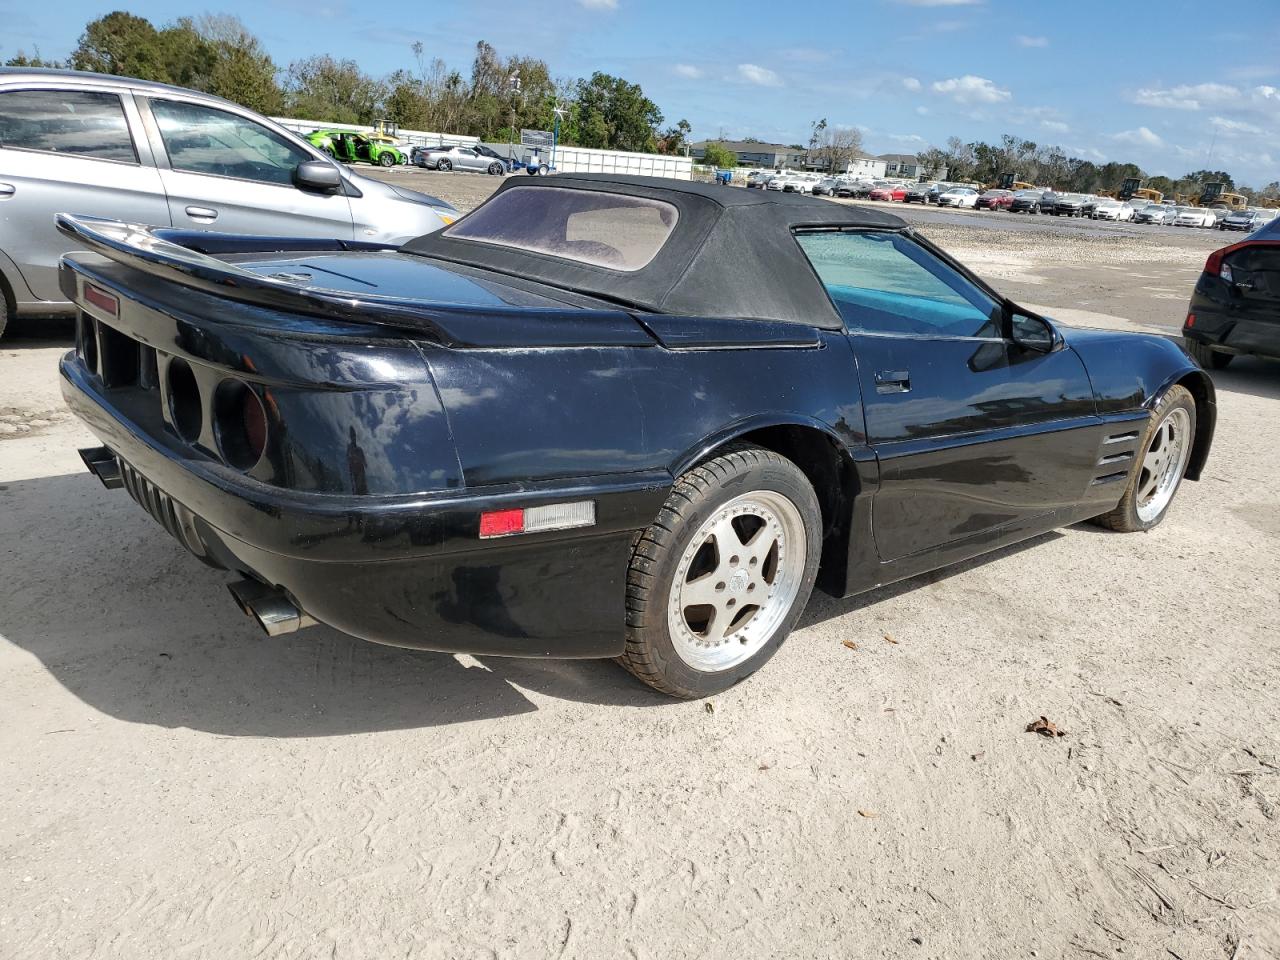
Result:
[731,253]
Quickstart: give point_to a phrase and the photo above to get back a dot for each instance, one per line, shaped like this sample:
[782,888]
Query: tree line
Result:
[499,96]
[1051,166]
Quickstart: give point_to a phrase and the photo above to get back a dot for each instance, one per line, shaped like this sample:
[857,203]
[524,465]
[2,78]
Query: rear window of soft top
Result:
[612,230]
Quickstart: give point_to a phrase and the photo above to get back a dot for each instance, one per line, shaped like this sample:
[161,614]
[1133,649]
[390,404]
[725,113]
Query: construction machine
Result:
[1008,181]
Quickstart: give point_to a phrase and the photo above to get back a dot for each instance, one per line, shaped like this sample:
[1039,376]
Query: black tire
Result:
[1124,518]
[1205,355]
[651,654]
[387,159]
[495,169]
[444,165]
[4,309]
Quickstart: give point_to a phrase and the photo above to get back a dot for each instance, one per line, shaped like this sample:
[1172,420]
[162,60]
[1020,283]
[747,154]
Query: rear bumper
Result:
[405,570]
[1232,332]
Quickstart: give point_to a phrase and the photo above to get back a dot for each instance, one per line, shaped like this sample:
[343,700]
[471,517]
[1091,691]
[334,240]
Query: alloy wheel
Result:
[1163,464]
[737,580]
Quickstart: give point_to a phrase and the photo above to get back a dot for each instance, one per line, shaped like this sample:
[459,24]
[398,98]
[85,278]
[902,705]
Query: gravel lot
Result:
[174,784]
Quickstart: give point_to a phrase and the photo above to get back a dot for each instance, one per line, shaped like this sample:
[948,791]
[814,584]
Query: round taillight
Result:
[185,410]
[240,424]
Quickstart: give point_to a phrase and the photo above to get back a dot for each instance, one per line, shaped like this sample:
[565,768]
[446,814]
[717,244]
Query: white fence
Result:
[568,159]
[585,160]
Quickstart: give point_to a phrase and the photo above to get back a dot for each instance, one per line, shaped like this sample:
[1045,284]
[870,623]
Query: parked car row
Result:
[1034,201]
[789,181]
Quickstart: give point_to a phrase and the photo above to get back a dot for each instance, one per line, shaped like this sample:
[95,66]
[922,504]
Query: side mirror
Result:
[317,175]
[1033,333]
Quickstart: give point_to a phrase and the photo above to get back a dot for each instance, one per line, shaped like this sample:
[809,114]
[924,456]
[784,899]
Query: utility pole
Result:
[513,82]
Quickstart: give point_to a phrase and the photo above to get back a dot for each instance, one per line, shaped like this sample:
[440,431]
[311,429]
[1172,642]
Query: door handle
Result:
[202,213]
[893,381]
[7,190]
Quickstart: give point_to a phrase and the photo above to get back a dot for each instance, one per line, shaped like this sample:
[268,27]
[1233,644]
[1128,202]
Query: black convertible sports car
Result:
[604,416]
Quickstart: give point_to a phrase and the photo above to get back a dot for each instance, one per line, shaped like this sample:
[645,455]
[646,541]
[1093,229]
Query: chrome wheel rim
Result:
[1163,464]
[737,581]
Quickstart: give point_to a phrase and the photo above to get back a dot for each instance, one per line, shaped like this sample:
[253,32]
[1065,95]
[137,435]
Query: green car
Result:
[350,147]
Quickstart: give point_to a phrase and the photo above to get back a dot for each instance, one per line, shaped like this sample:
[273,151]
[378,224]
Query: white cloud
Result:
[971,89]
[905,138]
[1057,126]
[940,3]
[911,83]
[1087,152]
[1232,128]
[1188,96]
[687,71]
[761,76]
[923,111]
[599,4]
[1142,137]
[1026,41]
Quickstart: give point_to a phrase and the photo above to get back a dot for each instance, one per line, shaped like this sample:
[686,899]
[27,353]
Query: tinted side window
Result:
[201,139]
[66,121]
[888,283]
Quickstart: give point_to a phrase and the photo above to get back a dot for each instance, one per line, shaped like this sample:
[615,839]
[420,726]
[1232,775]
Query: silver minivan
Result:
[154,154]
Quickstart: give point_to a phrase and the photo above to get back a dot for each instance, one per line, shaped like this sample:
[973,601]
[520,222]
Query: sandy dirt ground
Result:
[173,784]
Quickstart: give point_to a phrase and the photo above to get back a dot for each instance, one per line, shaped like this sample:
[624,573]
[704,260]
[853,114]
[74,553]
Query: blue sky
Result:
[1172,85]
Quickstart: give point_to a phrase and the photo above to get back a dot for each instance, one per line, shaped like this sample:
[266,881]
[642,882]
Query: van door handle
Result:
[7,190]
[893,381]
[202,213]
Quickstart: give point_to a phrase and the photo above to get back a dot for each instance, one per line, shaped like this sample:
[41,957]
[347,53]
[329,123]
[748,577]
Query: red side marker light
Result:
[501,523]
[1191,320]
[102,300]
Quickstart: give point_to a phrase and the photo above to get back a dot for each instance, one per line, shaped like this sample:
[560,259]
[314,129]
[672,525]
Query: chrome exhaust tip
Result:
[102,464]
[275,613]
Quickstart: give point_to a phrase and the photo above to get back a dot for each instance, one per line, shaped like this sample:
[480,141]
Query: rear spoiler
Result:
[188,258]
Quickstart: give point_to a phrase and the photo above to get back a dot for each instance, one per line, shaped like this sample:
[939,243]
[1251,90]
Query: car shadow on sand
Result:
[133,625]
[1250,376]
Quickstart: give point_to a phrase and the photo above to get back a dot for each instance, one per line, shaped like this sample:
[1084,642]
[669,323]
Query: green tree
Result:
[20,59]
[240,68]
[332,91]
[123,45]
[934,161]
[616,115]
[1212,176]
[673,140]
[718,155]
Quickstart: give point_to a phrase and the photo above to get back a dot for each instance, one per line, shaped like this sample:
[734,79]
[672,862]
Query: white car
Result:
[959,197]
[799,183]
[776,181]
[1112,210]
[1194,217]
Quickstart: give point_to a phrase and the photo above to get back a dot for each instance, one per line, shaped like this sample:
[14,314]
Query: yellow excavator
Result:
[385,131]
[1132,189]
[1215,195]
[1007,181]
